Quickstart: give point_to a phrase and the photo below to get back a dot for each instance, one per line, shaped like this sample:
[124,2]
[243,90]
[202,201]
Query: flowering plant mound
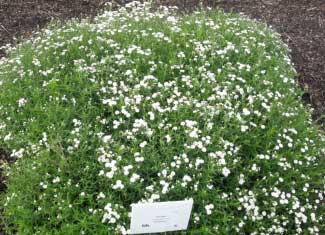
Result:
[147,106]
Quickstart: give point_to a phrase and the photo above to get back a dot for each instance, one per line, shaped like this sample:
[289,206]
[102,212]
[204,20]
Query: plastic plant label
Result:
[160,217]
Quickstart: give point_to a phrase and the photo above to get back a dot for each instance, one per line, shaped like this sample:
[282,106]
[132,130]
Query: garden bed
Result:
[301,24]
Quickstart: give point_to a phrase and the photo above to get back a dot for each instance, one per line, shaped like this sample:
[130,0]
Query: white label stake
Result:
[160,217]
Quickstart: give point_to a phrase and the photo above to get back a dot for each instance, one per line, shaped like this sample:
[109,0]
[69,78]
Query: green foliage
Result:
[142,106]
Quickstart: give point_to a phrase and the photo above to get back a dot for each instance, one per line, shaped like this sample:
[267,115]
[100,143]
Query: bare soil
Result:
[300,22]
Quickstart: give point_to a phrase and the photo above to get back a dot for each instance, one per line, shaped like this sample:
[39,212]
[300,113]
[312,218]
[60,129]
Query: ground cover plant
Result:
[143,106]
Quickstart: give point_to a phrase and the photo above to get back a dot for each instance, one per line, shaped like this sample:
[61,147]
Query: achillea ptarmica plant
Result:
[144,105]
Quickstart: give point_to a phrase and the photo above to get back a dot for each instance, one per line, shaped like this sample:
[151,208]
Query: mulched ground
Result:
[300,22]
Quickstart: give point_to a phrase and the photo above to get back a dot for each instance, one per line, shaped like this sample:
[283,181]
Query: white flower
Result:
[139,159]
[110,215]
[101,195]
[187,178]
[43,185]
[56,180]
[126,169]
[225,171]
[244,128]
[151,116]
[168,138]
[22,102]
[118,185]
[134,177]
[241,179]
[171,19]
[107,138]
[181,54]
[209,209]
[7,137]
[194,134]
[246,112]
[143,144]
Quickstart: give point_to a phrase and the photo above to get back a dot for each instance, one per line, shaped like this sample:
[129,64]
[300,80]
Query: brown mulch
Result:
[300,22]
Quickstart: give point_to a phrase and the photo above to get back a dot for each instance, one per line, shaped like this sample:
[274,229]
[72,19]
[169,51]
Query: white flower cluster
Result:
[195,108]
